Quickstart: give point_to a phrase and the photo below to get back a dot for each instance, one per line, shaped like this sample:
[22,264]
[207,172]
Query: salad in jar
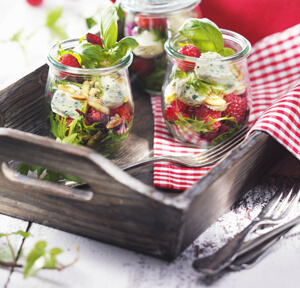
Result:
[151,28]
[206,96]
[88,91]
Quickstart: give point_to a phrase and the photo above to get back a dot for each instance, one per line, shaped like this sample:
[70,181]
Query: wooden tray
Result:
[119,208]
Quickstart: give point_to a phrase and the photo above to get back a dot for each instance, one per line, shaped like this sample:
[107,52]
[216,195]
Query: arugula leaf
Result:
[90,22]
[109,27]
[122,49]
[19,232]
[203,87]
[58,126]
[199,125]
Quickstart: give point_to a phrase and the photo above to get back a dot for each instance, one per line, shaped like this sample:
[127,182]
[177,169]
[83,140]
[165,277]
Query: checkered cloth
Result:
[274,69]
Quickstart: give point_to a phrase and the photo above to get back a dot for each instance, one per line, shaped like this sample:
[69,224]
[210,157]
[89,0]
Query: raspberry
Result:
[204,113]
[188,50]
[177,107]
[34,2]
[94,39]
[69,60]
[123,111]
[237,106]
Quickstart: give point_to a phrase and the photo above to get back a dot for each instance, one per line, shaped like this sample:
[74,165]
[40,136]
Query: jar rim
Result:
[157,7]
[227,35]
[69,44]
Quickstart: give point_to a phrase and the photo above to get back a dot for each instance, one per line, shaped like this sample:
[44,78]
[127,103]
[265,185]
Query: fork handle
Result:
[147,161]
[213,264]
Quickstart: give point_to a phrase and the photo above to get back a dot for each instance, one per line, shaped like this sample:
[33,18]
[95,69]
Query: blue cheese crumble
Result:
[213,71]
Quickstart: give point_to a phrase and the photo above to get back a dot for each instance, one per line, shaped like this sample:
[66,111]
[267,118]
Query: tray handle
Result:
[44,186]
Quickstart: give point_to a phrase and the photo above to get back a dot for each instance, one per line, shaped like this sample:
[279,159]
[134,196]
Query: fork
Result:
[209,156]
[275,212]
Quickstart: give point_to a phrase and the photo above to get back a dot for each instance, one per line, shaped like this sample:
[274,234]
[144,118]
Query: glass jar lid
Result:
[156,6]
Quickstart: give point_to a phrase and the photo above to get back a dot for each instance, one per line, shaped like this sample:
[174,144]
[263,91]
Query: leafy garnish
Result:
[205,35]
[105,51]
[120,13]
[199,125]
[19,232]
[203,87]
[109,27]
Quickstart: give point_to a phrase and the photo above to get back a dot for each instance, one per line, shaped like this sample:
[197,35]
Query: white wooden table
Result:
[102,265]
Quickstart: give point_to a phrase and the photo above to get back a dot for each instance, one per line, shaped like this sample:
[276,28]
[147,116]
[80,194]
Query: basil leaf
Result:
[225,52]
[120,13]
[122,49]
[204,34]
[109,27]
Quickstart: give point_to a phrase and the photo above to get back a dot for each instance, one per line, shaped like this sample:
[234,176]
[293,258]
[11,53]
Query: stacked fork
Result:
[237,254]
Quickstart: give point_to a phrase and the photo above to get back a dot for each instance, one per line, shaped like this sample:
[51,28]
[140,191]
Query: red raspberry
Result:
[69,60]
[204,113]
[150,22]
[142,66]
[177,107]
[123,111]
[188,50]
[94,39]
[237,107]
[34,2]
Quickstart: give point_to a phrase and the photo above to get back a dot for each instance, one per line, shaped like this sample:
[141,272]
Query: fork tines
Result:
[214,154]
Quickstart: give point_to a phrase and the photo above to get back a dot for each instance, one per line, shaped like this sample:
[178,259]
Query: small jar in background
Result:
[205,100]
[152,22]
[89,107]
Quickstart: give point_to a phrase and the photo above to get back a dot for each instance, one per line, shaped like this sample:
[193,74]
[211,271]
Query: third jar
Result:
[152,22]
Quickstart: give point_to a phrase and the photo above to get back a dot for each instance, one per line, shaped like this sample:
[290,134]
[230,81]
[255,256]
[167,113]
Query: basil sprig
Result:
[205,35]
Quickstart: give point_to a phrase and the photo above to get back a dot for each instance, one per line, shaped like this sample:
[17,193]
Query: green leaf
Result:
[50,258]
[225,52]
[204,34]
[90,22]
[122,49]
[19,232]
[52,176]
[120,13]
[53,15]
[109,27]
[58,126]
[31,265]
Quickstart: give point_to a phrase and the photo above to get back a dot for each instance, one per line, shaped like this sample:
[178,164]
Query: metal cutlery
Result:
[275,212]
[208,157]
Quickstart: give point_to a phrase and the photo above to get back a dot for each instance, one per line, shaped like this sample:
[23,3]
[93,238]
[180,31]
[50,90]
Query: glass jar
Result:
[205,100]
[152,22]
[89,107]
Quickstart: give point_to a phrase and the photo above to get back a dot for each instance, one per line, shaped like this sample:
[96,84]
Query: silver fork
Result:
[209,156]
[275,212]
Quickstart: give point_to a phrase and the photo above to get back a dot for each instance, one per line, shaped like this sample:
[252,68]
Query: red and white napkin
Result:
[274,69]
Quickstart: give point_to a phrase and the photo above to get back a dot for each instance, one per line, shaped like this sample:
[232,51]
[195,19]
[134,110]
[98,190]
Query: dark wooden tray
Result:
[119,208]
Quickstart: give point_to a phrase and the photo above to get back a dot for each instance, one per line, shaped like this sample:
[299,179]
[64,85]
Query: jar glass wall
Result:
[152,23]
[206,100]
[89,107]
